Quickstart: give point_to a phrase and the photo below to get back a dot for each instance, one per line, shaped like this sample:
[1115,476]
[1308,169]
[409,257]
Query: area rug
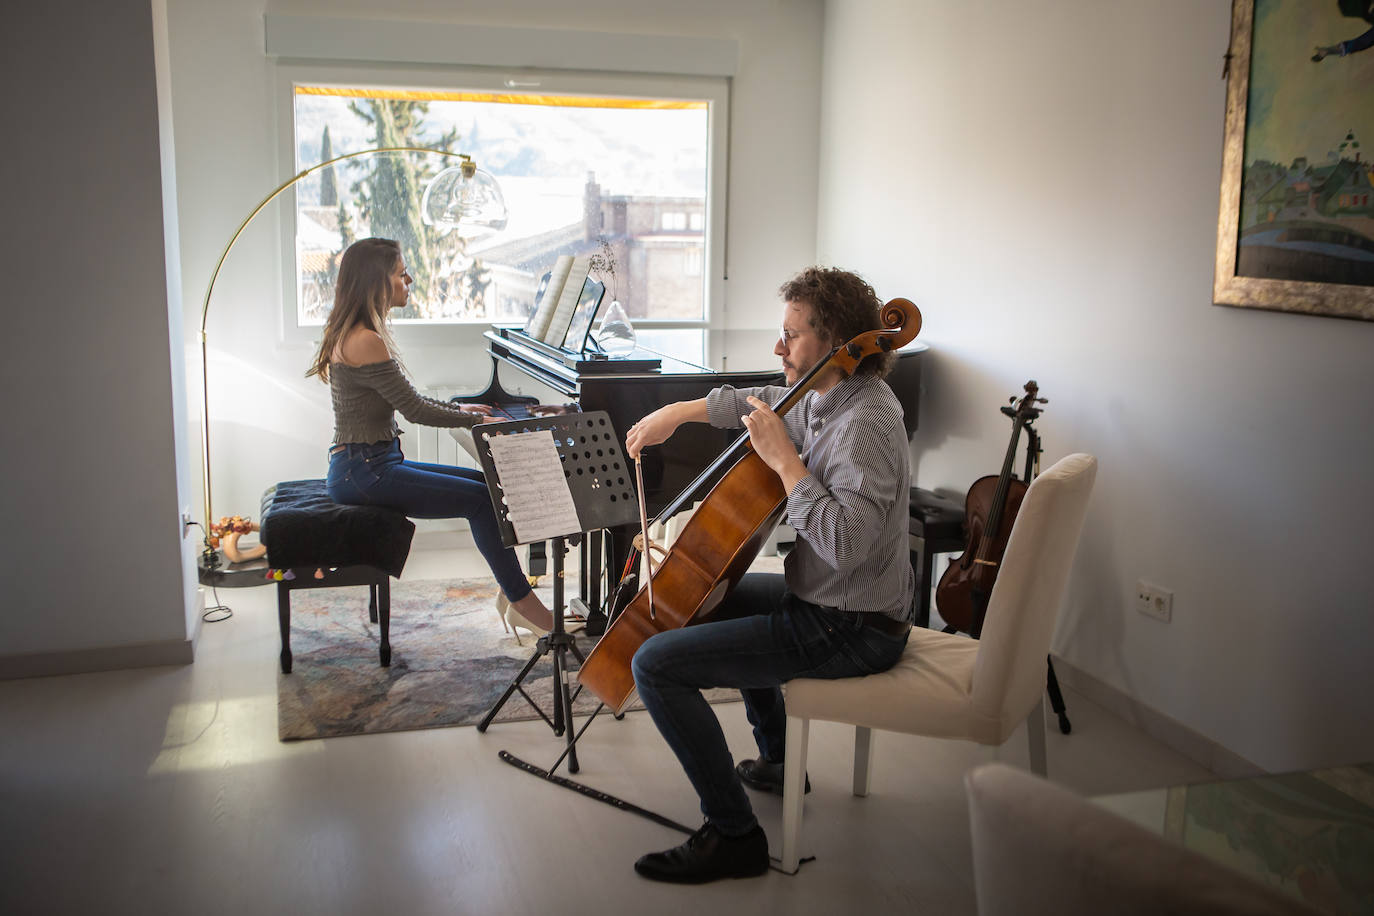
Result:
[450,662]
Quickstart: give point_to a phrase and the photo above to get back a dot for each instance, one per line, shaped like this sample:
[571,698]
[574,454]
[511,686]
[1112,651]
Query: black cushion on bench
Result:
[303,527]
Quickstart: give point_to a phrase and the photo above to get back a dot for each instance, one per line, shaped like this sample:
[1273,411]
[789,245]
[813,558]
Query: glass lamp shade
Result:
[466,199]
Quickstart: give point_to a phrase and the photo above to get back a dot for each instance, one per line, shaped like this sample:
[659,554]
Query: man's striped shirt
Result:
[850,511]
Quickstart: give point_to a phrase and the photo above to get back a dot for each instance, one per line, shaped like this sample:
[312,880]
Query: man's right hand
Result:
[662,423]
[652,430]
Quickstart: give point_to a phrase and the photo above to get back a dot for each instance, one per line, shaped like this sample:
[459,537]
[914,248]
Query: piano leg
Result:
[590,579]
[603,551]
[536,558]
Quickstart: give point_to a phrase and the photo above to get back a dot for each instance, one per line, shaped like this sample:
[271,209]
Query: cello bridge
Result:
[654,548]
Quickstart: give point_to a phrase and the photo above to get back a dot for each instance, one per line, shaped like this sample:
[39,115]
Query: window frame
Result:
[714,90]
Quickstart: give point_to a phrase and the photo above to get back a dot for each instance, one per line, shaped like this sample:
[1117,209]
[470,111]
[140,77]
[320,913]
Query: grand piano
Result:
[629,388]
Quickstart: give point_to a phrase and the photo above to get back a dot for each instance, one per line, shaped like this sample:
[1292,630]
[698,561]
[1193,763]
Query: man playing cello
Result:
[842,607]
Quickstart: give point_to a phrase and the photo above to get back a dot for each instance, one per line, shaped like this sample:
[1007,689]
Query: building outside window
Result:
[575,171]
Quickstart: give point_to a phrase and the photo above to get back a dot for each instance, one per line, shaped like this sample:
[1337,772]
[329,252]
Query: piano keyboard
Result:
[510,410]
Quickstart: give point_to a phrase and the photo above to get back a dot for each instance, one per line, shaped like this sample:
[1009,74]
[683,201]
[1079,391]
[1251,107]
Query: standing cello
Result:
[724,534]
[989,512]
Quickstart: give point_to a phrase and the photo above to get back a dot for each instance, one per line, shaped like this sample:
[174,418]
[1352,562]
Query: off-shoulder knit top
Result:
[366,398]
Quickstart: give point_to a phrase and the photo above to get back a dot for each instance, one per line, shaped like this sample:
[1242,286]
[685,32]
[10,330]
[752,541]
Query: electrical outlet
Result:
[1153,601]
[186,522]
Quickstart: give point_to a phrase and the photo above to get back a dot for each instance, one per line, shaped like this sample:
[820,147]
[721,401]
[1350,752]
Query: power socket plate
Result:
[1153,601]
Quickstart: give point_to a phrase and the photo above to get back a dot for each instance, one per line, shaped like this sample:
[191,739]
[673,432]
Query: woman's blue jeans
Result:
[377,474]
[759,638]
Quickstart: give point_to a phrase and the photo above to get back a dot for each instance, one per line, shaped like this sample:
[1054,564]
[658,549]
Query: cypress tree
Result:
[329,192]
[389,201]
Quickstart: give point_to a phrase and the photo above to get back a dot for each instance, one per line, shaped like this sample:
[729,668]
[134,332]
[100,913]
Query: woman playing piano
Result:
[359,360]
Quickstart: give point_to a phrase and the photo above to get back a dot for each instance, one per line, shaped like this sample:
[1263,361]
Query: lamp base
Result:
[211,569]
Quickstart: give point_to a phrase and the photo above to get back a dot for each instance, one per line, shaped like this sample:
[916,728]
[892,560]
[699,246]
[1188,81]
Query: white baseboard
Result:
[105,658]
[1191,744]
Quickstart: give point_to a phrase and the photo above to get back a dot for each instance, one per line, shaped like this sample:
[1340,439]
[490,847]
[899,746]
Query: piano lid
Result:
[688,355]
[682,351]
[671,353]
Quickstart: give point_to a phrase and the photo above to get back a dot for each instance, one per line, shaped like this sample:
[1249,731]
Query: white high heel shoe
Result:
[513,620]
[502,605]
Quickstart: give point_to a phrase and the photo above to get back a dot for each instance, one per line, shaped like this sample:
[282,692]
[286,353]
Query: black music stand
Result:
[602,486]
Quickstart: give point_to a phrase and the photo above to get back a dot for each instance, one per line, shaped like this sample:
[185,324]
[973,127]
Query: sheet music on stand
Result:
[595,474]
[538,501]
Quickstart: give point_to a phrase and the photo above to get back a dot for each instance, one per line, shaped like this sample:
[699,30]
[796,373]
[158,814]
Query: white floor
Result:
[165,790]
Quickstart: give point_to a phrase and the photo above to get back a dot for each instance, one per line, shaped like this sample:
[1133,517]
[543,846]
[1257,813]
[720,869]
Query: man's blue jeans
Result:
[377,474]
[759,638]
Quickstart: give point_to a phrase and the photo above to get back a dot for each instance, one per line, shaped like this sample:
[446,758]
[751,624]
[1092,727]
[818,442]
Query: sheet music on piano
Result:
[566,303]
[529,472]
[546,297]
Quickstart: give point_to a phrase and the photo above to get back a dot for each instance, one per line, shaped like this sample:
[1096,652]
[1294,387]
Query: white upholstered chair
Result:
[950,686]
[1040,850]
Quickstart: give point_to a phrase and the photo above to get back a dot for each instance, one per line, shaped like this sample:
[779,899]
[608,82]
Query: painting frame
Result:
[1230,289]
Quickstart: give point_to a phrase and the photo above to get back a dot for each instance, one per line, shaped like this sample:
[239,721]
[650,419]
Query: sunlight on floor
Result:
[214,734]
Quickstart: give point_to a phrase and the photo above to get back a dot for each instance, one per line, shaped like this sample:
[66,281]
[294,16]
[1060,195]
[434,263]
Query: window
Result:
[576,170]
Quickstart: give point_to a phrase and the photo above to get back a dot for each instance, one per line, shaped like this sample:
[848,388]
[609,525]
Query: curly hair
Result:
[843,306]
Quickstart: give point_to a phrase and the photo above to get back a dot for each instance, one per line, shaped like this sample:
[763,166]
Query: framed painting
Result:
[1296,227]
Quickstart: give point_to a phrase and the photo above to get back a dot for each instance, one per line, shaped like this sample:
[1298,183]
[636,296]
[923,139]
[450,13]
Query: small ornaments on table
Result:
[278,575]
[226,532]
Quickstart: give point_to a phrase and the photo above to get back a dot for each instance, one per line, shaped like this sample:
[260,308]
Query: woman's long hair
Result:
[362,296]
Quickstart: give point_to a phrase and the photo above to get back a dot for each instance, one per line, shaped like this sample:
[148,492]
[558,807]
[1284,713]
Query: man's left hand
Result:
[769,437]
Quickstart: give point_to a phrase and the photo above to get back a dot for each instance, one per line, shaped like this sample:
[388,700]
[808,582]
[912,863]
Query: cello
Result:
[725,533]
[989,512]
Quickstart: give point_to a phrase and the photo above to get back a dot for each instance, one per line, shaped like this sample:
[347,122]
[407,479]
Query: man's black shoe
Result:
[764,776]
[708,855]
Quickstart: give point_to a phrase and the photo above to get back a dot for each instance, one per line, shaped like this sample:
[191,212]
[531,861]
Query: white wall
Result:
[1042,179]
[268,422]
[92,556]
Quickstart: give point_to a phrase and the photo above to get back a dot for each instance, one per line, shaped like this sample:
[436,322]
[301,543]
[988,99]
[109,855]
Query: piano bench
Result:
[378,608]
[309,534]
[937,526]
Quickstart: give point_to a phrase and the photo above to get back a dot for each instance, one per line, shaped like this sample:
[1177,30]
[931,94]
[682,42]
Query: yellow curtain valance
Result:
[508,98]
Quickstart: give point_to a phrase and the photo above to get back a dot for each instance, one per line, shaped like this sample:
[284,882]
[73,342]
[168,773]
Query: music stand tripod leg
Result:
[540,648]
[560,721]
[556,644]
[563,703]
[551,643]
[591,462]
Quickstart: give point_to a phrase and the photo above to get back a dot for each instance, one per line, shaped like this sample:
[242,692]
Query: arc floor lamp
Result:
[460,198]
